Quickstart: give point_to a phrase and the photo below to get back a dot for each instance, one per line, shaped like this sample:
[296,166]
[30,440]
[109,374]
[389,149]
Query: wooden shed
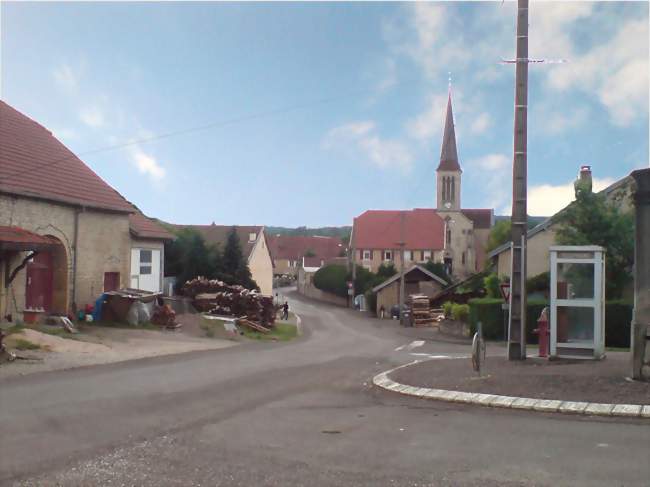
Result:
[418,280]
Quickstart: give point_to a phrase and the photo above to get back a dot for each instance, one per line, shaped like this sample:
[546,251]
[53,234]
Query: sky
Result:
[311,113]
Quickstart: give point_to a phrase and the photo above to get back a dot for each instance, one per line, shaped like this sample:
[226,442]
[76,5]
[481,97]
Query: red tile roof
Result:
[20,235]
[294,247]
[481,217]
[382,229]
[34,163]
[143,227]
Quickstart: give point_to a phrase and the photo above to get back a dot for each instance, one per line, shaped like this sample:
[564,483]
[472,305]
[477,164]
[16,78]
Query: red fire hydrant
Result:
[543,332]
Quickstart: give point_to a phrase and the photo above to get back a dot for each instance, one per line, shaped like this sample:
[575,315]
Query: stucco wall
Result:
[261,266]
[282,267]
[537,260]
[377,258]
[153,245]
[103,246]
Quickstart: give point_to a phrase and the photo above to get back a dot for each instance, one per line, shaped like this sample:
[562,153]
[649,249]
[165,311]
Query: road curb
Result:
[510,402]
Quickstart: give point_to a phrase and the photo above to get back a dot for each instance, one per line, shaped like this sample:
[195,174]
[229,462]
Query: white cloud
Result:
[614,70]
[65,77]
[65,134]
[481,123]
[430,122]
[147,164]
[548,199]
[362,137]
[556,121]
[93,116]
[495,174]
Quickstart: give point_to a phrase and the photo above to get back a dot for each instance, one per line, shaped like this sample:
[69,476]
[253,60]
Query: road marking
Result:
[411,346]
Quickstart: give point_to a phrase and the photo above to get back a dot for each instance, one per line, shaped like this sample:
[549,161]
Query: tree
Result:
[499,234]
[385,271]
[188,256]
[233,266]
[310,253]
[590,220]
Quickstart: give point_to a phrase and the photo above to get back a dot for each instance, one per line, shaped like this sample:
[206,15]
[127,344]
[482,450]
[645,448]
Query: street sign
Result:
[505,291]
[350,284]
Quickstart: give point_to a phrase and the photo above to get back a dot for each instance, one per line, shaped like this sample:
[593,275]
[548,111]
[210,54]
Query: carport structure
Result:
[46,266]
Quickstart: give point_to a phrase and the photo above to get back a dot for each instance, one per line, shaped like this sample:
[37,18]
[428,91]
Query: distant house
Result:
[417,280]
[449,234]
[66,235]
[254,247]
[542,236]
[288,251]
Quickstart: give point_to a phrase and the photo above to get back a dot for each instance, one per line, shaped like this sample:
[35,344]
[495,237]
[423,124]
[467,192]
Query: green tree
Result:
[499,234]
[188,256]
[385,271]
[233,267]
[590,220]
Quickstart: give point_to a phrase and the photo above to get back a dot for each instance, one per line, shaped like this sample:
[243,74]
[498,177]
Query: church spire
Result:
[448,152]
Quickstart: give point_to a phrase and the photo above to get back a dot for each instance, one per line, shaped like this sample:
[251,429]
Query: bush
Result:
[332,279]
[488,311]
[539,283]
[446,308]
[492,287]
[460,312]
[371,301]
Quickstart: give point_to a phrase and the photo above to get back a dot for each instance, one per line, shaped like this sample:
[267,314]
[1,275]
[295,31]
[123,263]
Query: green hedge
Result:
[332,279]
[618,316]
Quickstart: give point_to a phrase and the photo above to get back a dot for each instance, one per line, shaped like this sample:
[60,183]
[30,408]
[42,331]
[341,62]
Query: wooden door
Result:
[38,291]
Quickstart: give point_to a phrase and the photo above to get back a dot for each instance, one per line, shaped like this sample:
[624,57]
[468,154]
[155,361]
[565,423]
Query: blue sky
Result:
[320,111]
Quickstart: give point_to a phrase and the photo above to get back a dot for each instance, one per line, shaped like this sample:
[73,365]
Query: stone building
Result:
[288,251]
[449,234]
[65,234]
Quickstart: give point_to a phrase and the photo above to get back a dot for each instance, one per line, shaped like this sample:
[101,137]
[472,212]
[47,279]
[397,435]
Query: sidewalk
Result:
[590,387]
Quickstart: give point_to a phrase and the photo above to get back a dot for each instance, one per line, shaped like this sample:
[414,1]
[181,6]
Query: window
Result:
[252,237]
[426,255]
[462,258]
[367,255]
[388,255]
[408,255]
[145,262]
[448,236]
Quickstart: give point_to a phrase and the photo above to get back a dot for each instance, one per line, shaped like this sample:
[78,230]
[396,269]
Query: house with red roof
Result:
[449,234]
[66,236]
[288,251]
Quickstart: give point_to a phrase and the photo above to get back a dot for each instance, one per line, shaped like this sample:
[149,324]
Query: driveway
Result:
[297,413]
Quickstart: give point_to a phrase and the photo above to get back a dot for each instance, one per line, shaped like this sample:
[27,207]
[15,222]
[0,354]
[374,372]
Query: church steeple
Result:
[448,152]
[449,172]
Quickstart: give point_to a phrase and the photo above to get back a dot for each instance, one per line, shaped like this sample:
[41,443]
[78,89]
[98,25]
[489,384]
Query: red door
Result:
[38,292]
[111,281]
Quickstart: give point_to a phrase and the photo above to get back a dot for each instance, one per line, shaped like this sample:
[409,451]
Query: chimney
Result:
[584,178]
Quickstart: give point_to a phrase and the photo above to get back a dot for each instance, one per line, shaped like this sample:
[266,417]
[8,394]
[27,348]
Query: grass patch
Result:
[281,332]
[22,344]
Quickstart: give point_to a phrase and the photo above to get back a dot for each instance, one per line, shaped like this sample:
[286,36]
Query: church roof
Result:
[448,152]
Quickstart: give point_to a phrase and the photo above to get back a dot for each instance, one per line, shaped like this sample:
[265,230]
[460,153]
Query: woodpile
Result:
[218,298]
[421,312]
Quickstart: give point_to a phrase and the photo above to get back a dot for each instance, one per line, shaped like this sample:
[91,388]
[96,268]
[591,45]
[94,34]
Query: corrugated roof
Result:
[143,227]
[34,163]
[382,229]
[294,247]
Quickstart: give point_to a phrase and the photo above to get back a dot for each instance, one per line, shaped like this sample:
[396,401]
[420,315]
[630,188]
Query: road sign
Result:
[505,291]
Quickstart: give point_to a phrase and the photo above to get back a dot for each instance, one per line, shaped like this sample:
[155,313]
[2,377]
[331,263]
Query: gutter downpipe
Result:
[74,258]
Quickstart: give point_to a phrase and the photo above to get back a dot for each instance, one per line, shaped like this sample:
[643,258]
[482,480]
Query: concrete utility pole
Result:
[641,317]
[402,290]
[352,259]
[517,323]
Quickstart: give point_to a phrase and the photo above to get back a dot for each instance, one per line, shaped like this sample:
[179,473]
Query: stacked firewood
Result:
[422,314]
[218,298]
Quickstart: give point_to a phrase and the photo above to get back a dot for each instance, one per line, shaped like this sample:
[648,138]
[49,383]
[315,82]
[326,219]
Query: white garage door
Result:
[145,269]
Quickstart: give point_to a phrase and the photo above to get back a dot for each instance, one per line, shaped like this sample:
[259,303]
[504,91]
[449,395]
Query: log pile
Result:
[421,312]
[218,298]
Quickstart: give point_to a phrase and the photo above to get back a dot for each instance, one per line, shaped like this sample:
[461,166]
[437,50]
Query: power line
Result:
[198,128]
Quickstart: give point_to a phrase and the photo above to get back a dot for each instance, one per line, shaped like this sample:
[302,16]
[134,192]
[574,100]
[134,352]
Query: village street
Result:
[296,413]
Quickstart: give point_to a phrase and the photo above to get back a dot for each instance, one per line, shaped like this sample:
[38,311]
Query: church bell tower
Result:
[448,174]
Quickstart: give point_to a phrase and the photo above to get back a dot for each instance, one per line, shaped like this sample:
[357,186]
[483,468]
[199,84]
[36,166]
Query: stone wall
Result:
[261,266]
[104,245]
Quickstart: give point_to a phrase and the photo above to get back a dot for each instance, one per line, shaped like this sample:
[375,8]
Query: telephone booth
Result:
[577,301]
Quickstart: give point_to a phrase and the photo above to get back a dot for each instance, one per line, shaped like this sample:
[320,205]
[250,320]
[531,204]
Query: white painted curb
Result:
[525,403]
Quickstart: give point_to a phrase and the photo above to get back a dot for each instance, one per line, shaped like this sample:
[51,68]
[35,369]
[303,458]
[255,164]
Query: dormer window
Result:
[252,237]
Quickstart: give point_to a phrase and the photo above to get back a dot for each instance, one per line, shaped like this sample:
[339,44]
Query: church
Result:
[450,234]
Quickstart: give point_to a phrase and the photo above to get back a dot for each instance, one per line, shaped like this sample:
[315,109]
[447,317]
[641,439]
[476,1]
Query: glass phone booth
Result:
[577,301]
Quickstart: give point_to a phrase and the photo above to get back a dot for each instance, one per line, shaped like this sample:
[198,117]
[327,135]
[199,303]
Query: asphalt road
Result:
[289,414]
